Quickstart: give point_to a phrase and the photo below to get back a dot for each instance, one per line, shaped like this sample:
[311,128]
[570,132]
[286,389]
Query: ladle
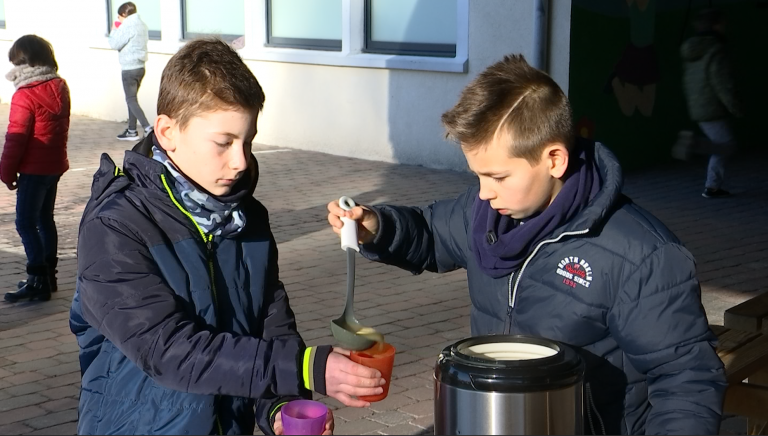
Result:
[346,329]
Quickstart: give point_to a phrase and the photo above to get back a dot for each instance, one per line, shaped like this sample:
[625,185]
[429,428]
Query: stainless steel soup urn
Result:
[515,385]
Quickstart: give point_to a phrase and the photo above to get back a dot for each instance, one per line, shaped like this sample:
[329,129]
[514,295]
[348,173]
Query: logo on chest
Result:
[575,271]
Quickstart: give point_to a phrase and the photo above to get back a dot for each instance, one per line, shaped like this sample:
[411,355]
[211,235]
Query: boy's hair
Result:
[511,97]
[206,75]
[126,9]
[707,19]
[33,51]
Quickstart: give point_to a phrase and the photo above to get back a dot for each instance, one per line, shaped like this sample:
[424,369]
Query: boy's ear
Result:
[556,158]
[166,132]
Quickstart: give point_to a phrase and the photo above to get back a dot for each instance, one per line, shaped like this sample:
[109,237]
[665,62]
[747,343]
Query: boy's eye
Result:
[223,145]
[498,179]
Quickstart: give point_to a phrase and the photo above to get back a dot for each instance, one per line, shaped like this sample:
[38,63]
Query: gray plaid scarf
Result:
[213,216]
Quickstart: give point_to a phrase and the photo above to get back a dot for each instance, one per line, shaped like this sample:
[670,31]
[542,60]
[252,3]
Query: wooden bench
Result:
[745,355]
[750,316]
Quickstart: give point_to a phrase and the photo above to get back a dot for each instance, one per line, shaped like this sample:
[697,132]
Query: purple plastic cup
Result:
[303,417]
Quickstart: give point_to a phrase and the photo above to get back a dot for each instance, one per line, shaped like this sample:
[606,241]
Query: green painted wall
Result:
[643,133]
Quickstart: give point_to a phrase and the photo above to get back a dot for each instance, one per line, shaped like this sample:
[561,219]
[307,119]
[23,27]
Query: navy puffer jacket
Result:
[614,281]
[177,335]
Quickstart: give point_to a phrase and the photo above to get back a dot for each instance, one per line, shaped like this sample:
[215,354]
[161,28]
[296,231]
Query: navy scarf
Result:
[501,243]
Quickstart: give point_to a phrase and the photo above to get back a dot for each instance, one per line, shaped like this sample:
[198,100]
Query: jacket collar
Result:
[22,75]
[612,182]
[147,171]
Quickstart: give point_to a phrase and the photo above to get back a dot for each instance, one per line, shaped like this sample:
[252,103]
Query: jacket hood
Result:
[697,47]
[44,86]
[612,182]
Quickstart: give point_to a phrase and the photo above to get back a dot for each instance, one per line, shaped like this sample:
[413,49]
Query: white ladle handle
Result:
[349,231]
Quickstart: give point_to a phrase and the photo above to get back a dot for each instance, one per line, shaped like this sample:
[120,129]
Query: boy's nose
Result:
[238,160]
[486,193]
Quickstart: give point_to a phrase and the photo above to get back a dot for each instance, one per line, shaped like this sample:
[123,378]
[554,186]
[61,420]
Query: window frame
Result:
[188,36]
[401,48]
[300,43]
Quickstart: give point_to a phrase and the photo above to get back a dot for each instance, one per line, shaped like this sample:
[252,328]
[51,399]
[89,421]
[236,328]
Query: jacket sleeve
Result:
[120,37]
[123,295]
[21,124]
[432,238]
[721,79]
[279,321]
[659,322]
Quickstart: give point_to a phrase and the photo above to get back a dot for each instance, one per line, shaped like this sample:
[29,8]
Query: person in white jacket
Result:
[130,38]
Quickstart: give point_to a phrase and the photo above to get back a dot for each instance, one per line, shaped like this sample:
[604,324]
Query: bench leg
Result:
[758,426]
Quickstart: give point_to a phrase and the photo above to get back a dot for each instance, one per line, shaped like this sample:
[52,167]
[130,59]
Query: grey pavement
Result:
[39,372]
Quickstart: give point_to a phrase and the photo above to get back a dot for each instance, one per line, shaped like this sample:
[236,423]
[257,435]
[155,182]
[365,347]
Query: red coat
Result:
[36,141]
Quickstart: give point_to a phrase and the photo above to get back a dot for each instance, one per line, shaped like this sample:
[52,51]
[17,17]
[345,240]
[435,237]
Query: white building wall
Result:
[372,113]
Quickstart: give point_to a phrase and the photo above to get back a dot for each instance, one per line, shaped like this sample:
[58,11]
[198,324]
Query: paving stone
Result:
[391,418]
[69,391]
[16,428]
[61,369]
[421,393]
[361,426]
[60,405]
[427,422]
[14,403]
[406,429]
[392,402]
[28,388]
[352,413]
[32,355]
[21,414]
[52,419]
[421,409]
[62,380]
[68,428]
[24,378]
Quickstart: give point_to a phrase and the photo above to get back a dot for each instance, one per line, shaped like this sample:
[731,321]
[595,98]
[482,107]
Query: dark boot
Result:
[37,286]
[52,263]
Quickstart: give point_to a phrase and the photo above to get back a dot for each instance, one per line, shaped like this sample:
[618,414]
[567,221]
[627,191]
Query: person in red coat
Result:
[35,157]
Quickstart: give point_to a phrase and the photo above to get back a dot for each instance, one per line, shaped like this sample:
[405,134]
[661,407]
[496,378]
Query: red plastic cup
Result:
[382,357]
[304,417]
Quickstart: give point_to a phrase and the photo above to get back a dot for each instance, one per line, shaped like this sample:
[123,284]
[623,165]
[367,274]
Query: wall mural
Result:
[634,79]
[626,71]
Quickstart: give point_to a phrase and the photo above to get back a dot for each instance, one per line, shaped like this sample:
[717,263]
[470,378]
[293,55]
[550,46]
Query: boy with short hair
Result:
[182,322]
[553,249]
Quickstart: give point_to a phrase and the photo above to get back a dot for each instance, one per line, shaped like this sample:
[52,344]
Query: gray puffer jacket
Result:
[131,39]
[710,88]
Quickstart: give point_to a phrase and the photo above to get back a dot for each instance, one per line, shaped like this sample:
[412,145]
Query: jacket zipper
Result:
[210,256]
[208,241]
[513,291]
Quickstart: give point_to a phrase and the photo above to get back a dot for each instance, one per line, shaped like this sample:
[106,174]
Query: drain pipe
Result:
[540,33]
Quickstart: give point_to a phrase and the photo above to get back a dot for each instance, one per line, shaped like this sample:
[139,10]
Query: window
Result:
[2,14]
[411,27]
[307,24]
[223,18]
[148,10]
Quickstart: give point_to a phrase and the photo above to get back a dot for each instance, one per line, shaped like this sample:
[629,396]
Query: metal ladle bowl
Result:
[346,329]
